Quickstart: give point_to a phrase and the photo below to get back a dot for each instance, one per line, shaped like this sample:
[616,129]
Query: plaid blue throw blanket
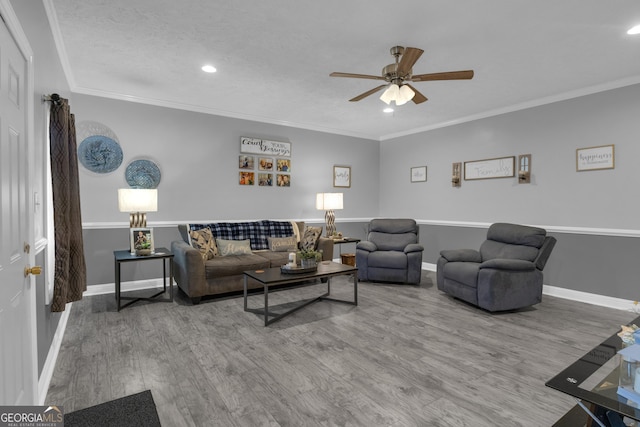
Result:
[256,231]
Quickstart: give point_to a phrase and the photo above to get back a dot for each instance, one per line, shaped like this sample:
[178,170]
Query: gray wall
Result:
[585,210]
[558,195]
[48,78]
[198,157]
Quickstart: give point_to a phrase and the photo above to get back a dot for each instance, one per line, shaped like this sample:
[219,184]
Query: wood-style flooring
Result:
[405,356]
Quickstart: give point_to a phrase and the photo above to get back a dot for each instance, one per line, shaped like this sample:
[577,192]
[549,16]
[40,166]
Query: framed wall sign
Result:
[419,174]
[502,167]
[342,176]
[265,147]
[595,158]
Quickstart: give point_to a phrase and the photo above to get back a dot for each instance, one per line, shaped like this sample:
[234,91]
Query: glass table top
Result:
[596,378]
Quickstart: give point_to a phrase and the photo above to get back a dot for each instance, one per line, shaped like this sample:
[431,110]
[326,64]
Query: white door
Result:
[18,362]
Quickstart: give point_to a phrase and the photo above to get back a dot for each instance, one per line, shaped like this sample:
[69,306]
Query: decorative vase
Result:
[143,252]
[308,263]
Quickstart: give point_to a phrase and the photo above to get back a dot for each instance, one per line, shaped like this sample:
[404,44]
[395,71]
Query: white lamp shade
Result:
[390,94]
[328,201]
[137,200]
[401,95]
[405,95]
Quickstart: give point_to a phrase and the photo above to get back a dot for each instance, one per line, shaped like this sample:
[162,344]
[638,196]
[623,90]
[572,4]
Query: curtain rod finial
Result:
[54,97]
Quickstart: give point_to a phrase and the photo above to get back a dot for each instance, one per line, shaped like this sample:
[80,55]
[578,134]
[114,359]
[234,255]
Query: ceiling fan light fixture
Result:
[390,94]
[405,95]
[634,30]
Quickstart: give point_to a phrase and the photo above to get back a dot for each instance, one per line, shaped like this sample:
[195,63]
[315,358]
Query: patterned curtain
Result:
[70,278]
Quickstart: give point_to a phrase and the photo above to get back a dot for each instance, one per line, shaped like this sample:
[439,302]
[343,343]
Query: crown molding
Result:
[522,106]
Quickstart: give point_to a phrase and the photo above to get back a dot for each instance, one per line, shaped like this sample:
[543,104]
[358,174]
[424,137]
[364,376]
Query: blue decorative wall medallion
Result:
[99,150]
[100,154]
[142,174]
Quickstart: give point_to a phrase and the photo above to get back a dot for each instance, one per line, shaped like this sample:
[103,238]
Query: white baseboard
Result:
[110,288]
[595,299]
[52,357]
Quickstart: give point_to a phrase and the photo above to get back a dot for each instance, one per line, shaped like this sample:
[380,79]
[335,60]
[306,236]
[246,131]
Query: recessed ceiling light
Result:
[634,30]
[388,110]
[209,69]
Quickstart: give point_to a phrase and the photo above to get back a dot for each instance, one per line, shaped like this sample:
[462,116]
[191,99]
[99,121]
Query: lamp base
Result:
[330,219]
[137,219]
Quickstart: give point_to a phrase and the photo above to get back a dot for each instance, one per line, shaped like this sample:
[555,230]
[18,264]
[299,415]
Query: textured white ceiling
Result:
[274,57]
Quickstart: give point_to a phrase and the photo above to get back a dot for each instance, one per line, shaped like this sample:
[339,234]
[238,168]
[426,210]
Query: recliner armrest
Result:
[461,255]
[508,264]
[413,247]
[367,246]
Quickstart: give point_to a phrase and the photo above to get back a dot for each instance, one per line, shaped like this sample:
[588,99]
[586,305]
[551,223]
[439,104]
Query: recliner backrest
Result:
[392,234]
[512,241]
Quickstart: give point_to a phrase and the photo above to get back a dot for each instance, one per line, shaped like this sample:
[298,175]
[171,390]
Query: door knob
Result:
[35,270]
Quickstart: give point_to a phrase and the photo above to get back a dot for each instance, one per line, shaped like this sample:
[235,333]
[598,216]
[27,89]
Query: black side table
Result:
[349,259]
[162,254]
[344,240]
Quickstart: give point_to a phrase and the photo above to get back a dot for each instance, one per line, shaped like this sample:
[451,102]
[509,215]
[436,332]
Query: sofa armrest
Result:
[326,246]
[189,271]
[509,264]
[413,247]
[461,255]
[367,246]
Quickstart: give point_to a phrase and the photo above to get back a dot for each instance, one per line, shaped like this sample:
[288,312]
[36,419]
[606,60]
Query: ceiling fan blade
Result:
[450,75]
[409,58]
[418,98]
[357,76]
[367,93]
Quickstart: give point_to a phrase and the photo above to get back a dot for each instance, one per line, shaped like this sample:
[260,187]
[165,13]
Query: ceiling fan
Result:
[398,74]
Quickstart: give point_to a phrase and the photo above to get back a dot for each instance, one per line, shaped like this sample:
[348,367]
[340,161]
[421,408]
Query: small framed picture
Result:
[283,180]
[265,164]
[342,176]
[265,179]
[419,174]
[283,165]
[246,178]
[141,240]
[245,162]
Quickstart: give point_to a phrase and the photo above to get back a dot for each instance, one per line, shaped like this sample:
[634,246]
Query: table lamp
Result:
[328,202]
[137,201]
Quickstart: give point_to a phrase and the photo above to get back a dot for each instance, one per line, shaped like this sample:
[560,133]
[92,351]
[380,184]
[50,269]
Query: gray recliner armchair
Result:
[506,274]
[391,252]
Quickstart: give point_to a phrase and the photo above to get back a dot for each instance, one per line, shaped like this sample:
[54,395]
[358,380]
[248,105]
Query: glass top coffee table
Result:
[594,379]
[271,277]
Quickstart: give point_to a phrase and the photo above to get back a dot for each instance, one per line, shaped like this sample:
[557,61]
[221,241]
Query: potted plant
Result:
[309,258]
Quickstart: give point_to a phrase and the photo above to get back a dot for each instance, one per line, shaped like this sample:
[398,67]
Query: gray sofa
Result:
[391,252]
[505,274]
[223,274]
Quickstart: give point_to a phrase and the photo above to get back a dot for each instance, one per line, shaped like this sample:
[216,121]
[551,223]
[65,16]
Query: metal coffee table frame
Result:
[270,277]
